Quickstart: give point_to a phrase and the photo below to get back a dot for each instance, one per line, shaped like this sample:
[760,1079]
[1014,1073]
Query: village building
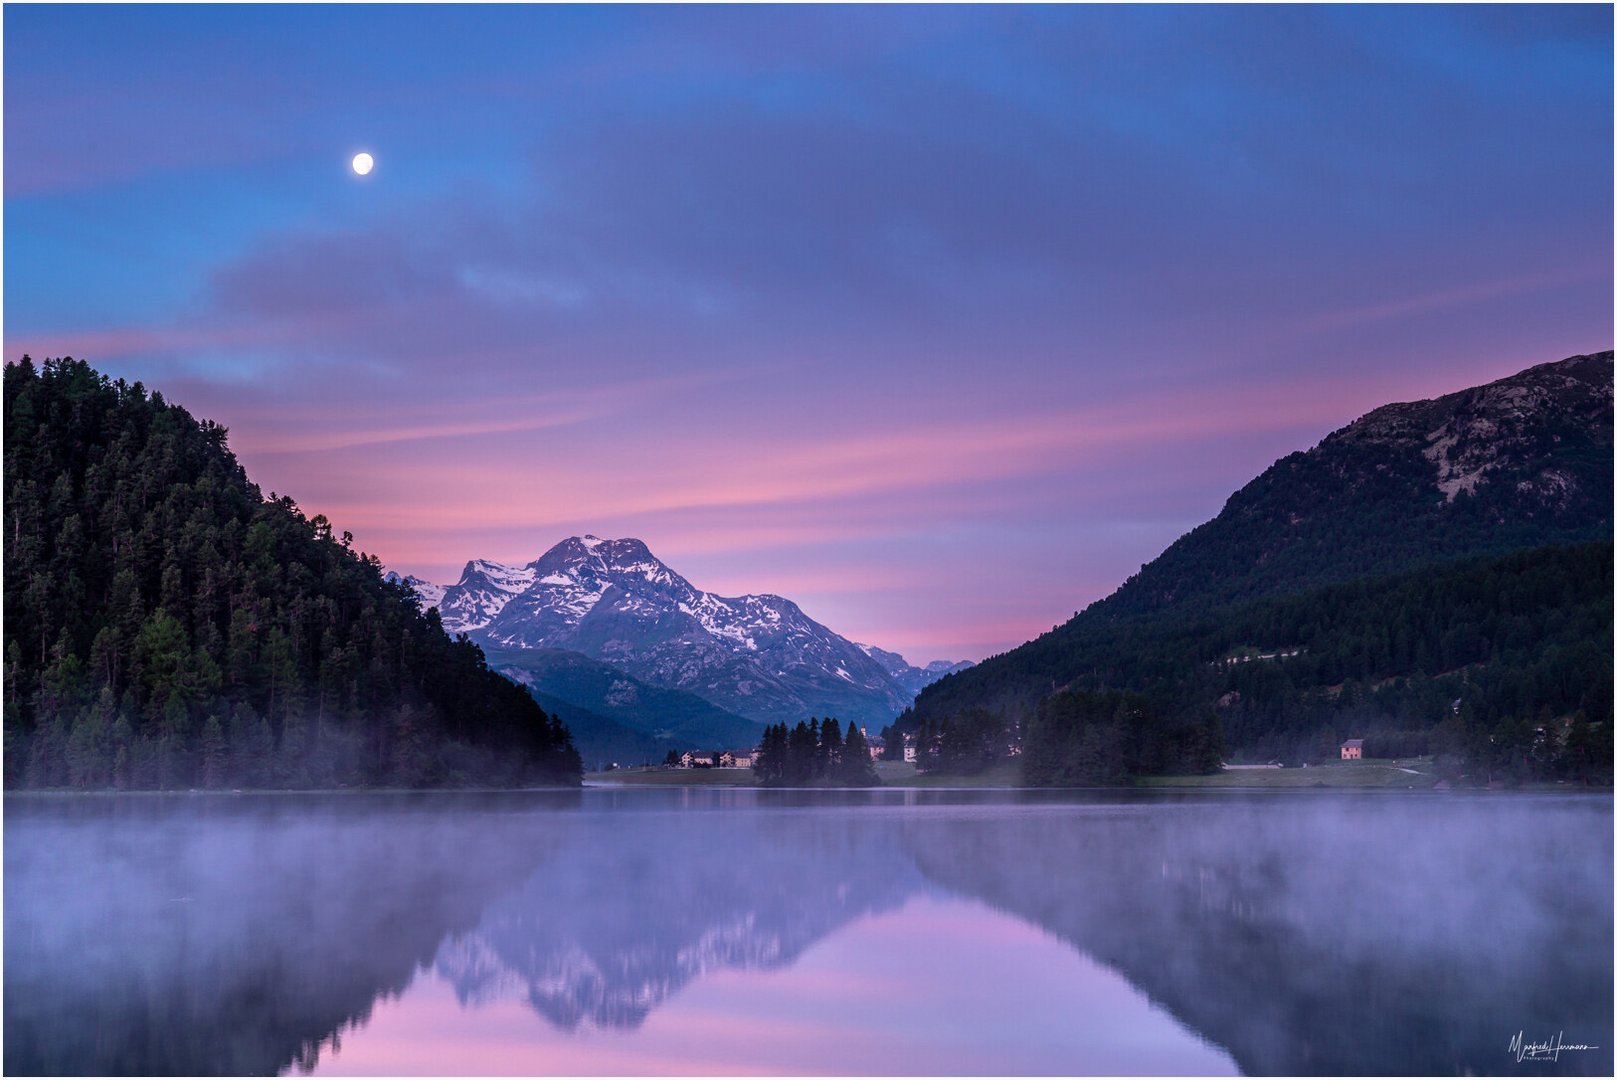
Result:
[716,759]
[1353,750]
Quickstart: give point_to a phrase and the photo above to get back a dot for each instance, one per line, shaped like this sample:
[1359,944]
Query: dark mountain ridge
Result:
[1516,463]
[1373,525]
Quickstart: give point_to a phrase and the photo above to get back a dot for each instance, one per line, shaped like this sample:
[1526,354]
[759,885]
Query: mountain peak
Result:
[612,600]
[629,549]
[484,572]
[912,678]
[591,563]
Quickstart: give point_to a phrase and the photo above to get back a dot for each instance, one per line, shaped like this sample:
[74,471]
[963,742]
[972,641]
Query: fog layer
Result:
[1300,933]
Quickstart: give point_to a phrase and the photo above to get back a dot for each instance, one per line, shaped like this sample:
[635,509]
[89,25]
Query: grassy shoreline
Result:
[1402,775]
[1412,774]
[894,774]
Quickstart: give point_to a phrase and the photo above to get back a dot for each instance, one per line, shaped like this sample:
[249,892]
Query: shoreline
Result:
[1400,775]
[896,776]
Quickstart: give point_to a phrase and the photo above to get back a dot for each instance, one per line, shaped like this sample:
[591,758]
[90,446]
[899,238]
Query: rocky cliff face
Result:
[1513,430]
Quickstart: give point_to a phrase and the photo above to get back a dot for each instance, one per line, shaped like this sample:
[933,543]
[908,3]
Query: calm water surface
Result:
[644,931]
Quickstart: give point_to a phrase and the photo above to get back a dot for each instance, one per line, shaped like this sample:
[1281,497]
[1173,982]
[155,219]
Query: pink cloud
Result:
[703,474]
[847,523]
[1457,296]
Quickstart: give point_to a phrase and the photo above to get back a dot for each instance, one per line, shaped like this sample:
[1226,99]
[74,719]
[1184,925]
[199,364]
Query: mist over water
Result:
[888,932]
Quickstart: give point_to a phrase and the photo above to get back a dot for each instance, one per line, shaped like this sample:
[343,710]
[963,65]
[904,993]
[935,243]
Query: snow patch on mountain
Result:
[482,592]
[511,579]
[429,593]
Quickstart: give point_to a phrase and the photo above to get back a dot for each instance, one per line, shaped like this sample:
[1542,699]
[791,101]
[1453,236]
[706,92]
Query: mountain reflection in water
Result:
[707,931]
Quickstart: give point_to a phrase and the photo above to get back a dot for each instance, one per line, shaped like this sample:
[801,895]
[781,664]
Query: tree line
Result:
[814,753]
[1070,738]
[168,626]
[1090,737]
[1500,666]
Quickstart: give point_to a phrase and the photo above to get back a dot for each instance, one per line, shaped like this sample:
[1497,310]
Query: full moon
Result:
[363,163]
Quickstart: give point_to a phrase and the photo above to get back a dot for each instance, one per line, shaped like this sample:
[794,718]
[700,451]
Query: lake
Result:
[698,931]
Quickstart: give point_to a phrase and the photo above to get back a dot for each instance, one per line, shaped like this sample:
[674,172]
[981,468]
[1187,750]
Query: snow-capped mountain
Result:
[481,594]
[429,593]
[911,678]
[613,600]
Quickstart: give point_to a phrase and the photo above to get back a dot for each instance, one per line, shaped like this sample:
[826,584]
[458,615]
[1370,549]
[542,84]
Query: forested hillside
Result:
[1436,577]
[1502,665]
[167,626]
[1518,463]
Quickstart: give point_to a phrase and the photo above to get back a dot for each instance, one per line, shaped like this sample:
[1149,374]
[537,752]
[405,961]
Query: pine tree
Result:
[801,747]
[831,748]
[856,770]
[817,760]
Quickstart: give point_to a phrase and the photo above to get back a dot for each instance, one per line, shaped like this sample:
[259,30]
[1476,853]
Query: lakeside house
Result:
[1353,750]
[878,746]
[715,759]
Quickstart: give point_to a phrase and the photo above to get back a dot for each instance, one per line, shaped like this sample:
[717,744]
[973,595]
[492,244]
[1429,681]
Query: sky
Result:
[939,321]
